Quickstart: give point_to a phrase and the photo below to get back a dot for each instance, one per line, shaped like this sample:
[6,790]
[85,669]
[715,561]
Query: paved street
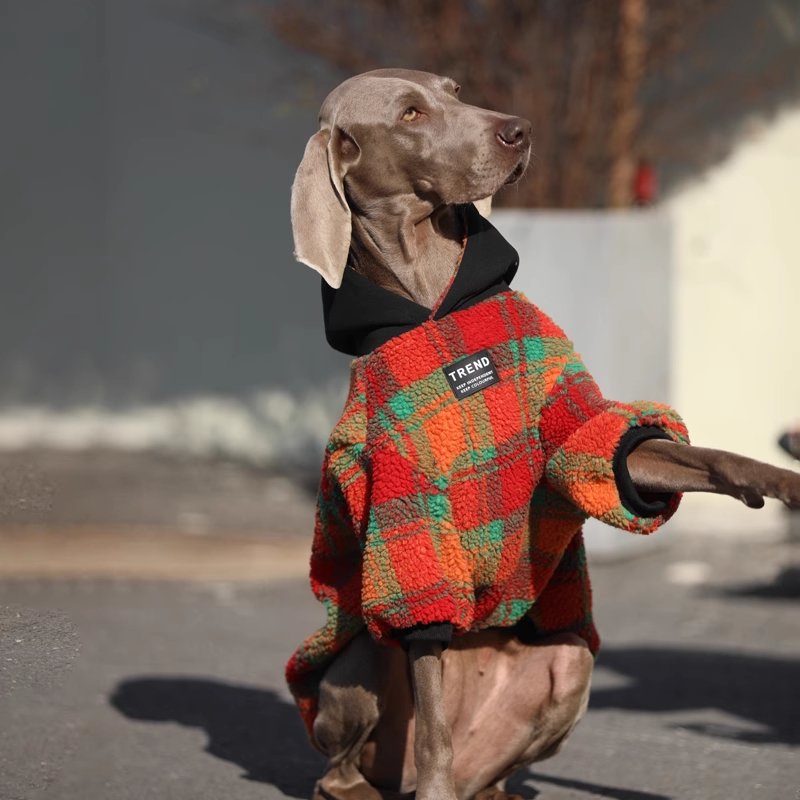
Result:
[126,689]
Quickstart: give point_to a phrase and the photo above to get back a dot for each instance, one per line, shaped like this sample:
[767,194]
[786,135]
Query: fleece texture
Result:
[435,509]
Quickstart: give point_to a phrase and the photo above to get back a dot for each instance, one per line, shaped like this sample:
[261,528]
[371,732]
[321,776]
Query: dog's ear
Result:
[320,214]
[484,206]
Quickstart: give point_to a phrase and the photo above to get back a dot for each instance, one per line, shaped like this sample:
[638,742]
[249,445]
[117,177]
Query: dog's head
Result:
[396,135]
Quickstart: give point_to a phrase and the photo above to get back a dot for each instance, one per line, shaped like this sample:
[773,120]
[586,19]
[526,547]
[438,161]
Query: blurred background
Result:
[165,386]
[150,301]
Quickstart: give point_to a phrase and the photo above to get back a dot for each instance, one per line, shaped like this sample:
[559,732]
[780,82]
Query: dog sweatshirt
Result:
[472,446]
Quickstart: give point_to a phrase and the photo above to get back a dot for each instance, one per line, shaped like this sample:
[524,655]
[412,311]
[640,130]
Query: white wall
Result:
[605,279]
[697,304]
[736,333]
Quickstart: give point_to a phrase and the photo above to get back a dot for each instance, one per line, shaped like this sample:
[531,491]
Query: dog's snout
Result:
[515,132]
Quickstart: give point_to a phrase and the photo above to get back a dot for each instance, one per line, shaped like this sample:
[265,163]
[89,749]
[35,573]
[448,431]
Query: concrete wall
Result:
[146,166]
[605,278]
[51,196]
[149,296]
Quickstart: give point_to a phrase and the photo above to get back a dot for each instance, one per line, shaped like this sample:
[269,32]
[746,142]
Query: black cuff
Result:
[643,504]
[435,632]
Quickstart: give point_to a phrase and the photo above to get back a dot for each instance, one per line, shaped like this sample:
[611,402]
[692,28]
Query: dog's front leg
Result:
[433,748]
[658,465]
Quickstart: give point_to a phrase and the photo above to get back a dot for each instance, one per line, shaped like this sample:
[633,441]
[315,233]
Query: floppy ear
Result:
[484,206]
[320,214]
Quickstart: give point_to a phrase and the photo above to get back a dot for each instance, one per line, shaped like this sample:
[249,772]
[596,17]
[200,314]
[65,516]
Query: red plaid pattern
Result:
[435,509]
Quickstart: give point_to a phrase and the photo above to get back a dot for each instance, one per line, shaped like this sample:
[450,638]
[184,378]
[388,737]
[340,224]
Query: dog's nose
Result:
[515,132]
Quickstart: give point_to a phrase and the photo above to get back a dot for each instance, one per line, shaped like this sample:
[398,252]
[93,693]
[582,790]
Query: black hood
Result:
[360,315]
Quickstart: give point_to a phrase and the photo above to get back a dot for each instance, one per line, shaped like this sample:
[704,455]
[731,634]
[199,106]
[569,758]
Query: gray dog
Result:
[382,194]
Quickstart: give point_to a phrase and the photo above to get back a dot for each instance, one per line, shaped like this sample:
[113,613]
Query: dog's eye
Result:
[410,114]
[456,88]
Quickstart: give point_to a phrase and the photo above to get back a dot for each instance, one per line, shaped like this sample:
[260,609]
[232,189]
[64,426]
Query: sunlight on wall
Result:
[736,332]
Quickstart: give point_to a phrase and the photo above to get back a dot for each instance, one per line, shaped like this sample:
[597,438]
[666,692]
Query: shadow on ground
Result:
[262,733]
[517,784]
[756,688]
[254,728]
[784,586]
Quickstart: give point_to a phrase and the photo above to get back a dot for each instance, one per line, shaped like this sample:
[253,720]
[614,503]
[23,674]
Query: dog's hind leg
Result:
[517,704]
[348,712]
[506,705]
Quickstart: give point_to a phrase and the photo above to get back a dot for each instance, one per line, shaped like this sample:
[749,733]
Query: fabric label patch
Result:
[471,374]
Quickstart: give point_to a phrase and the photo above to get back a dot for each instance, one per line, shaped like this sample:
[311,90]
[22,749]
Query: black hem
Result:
[434,632]
[648,504]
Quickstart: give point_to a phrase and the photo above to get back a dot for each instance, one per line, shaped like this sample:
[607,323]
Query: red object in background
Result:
[645,184]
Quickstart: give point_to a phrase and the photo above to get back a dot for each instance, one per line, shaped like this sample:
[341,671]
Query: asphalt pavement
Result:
[152,683]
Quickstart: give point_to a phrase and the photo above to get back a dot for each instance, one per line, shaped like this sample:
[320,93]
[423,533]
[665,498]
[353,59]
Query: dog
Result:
[384,207]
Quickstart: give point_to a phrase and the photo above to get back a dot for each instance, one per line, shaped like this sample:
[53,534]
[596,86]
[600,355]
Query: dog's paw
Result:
[751,481]
[786,488]
[494,793]
[791,496]
[334,785]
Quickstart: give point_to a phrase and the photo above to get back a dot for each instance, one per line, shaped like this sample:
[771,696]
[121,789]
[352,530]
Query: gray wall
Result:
[145,251]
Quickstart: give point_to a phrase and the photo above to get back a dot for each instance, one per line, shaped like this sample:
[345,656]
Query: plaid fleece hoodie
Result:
[472,446]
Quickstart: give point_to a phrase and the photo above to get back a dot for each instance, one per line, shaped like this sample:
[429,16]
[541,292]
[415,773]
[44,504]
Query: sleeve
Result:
[587,440]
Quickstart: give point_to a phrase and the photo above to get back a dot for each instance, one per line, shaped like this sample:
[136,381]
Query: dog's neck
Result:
[411,254]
